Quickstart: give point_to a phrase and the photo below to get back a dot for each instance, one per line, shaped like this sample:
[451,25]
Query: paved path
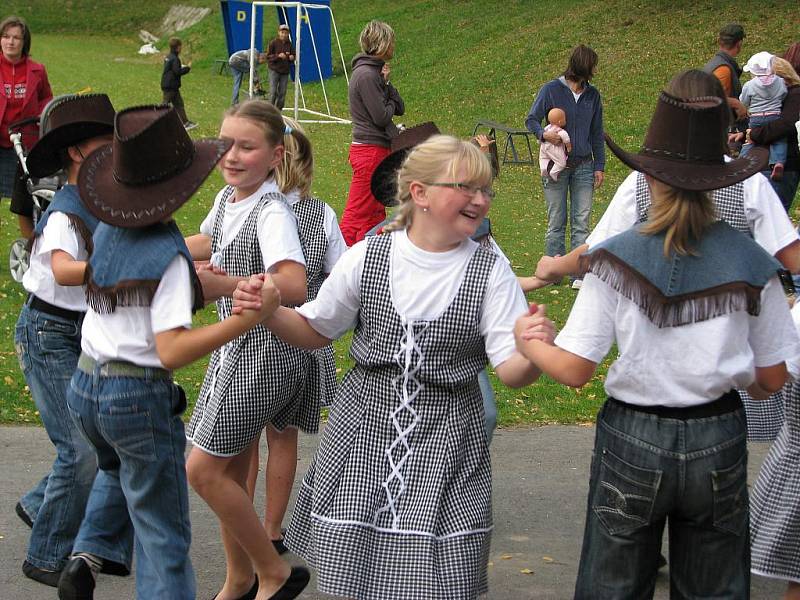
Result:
[540,486]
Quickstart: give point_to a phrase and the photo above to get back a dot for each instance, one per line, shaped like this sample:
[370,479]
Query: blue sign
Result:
[236,19]
[317,21]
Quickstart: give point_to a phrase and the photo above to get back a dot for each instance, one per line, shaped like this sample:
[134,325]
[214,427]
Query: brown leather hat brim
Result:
[142,205]
[45,157]
[694,176]
[383,183]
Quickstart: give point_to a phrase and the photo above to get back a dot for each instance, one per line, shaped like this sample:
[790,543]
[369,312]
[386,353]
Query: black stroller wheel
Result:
[19,259]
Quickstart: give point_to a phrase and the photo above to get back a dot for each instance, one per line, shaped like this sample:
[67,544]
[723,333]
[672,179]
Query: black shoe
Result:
[297,582]
[41,575]
[250,595]
[280,547]
[23,515]
[77,581]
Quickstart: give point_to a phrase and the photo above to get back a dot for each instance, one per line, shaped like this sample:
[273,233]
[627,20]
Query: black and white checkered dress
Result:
[775,500]
[320,378]
[397,502]
[764,417]
[255,379]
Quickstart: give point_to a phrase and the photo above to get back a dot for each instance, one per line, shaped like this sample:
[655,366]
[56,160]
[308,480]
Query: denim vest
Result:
[725,273]
[67,201]
[127,265]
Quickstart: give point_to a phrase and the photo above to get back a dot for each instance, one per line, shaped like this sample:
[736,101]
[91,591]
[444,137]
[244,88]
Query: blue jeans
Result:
[489,407]
[48,347]
[579,182]
[647,469]
[777,149]
[135,426]
[237,85]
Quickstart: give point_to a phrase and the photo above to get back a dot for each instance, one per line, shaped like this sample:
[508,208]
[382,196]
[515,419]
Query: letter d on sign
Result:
[241,15]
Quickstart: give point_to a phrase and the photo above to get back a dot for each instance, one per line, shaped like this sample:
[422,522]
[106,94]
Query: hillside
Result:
[455,62]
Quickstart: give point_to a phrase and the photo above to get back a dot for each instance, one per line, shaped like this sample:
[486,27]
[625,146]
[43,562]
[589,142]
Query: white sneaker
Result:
[576,284]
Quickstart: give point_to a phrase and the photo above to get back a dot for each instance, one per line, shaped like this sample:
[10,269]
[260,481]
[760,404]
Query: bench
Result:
[510,133]
[221,66]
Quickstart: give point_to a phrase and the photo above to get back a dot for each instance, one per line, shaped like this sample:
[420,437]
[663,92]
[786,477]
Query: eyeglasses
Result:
[470,190]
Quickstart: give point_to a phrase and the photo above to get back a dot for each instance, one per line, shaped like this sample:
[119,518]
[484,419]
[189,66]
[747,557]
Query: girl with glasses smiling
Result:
[397,501]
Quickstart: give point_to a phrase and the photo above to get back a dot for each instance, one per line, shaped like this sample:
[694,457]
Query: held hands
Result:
[213,279]
[534,325]
[256,298]
[547,269]
[385,71]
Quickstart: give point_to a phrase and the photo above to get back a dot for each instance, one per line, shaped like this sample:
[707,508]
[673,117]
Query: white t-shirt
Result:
[793,365]
[771,227]
[677,366]
[423,284]
[277,226]
[336,243]
[39,279]
[129,332]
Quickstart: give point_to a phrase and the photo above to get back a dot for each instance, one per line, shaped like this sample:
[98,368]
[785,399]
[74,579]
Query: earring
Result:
[425,209]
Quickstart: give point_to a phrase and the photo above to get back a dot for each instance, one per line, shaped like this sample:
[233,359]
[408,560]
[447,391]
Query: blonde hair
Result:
[439,158]
[783,68]
[297,168]
[683,214]
[376,38]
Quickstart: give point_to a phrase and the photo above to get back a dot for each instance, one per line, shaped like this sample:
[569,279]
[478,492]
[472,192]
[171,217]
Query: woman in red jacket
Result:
[24,92]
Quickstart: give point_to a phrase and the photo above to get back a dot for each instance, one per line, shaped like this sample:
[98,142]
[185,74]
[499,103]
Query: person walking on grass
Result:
[171,81]
[280,59]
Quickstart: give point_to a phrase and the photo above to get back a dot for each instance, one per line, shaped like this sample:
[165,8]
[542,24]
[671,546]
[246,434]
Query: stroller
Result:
[41,190]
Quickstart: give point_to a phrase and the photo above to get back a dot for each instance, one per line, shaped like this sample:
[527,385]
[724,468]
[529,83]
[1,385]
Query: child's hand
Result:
[484,141]
[214,281]
[569,147]
[546,269]
[534,326]
[247,295]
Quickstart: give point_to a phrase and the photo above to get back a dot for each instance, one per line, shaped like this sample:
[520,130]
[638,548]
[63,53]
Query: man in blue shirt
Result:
[581,102]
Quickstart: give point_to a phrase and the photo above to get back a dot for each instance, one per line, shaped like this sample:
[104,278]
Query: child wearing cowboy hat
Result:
[142,291]
[697,310]
[48,334]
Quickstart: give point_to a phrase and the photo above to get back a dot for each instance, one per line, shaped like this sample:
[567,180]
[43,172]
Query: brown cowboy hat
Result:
[383,183]
[68,120]
[150,169]
[684,146]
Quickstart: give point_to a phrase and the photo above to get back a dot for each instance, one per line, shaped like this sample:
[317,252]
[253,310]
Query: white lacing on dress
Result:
[409,357]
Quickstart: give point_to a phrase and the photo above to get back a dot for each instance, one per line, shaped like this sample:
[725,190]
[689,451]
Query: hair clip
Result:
[287,130]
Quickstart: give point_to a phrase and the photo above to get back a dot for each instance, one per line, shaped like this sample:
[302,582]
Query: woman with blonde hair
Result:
[784,127]
[697,311]
[397,501]
[373,103]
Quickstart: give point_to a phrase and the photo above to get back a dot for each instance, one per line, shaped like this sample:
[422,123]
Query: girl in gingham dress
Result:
[775,504]
[322,244]
[397,501]
[254,381]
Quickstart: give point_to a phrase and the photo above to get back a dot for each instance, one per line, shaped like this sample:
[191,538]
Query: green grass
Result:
[455,62]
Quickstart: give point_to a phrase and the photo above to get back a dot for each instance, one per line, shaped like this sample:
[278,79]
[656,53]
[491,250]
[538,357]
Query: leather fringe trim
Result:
[78,226]
[105,300]
[675,311]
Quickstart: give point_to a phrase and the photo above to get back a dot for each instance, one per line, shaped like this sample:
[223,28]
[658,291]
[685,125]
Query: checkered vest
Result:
[729,203]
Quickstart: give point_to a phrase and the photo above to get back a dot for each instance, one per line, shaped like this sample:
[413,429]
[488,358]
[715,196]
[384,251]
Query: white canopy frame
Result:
[301,13]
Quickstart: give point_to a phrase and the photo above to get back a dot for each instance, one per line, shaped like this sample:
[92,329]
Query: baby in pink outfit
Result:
[553,157]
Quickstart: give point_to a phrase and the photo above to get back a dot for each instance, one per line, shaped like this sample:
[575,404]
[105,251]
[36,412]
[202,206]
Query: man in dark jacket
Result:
[171,81]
